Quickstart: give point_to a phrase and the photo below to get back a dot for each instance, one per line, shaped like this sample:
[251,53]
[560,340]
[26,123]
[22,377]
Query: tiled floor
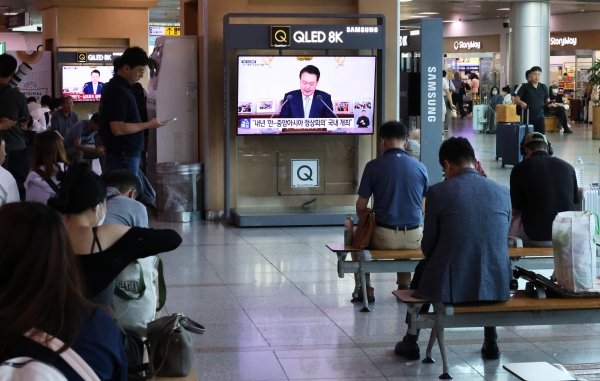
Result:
[274,308]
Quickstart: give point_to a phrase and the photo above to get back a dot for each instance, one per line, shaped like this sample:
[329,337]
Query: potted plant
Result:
[594,80]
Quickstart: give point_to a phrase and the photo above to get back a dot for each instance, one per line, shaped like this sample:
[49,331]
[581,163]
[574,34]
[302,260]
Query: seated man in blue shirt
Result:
[464,243]
[398,184]
[82,141]
[64,118]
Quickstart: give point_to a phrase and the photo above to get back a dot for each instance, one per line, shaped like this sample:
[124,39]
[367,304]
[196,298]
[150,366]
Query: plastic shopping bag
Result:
[574,243]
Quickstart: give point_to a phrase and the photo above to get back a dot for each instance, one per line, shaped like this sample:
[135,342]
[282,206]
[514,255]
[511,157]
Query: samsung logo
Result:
[431,94]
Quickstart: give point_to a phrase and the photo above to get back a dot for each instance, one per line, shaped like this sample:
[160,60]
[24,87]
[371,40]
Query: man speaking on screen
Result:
[308,102]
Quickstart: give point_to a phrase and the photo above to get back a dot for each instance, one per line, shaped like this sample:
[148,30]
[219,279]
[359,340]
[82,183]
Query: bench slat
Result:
[341,248]
[518,302]
[397,254]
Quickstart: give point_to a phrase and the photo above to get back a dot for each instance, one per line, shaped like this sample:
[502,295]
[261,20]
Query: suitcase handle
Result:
[524,110]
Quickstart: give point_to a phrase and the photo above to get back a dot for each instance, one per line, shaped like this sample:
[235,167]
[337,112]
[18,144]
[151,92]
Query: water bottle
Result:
[348,230]
[579,166]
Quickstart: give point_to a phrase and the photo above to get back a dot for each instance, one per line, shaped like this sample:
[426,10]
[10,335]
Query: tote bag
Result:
[574,244]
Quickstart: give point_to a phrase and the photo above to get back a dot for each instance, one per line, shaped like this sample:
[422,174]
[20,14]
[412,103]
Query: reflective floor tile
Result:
[242,366]
[329,367]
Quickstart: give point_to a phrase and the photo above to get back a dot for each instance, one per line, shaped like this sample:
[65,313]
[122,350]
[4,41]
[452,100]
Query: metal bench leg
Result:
[413,310]
[363,280]
[439,328]
[428,359]
[341,264]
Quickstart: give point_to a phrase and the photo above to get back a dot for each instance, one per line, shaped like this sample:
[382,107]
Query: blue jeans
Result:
[146,194]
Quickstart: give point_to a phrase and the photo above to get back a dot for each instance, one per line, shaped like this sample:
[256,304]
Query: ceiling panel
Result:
[466,10]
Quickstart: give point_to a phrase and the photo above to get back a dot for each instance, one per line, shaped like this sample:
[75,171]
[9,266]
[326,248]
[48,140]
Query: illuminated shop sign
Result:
[322,36]
[317,37]
[563,41]
[467,45]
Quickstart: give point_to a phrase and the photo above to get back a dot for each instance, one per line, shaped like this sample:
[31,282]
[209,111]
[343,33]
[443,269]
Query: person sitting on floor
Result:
[541,186]
[42,290]
[464,242]
[47,167]
[398,184]
[122,187]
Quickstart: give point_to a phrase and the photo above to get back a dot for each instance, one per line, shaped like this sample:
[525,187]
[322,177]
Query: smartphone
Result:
[168,120]
[23,119]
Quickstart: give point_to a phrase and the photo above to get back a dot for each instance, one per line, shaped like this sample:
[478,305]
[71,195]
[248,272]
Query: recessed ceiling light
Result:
[503,9]
[429,13]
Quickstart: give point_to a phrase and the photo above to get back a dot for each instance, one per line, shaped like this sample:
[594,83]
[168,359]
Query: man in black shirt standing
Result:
[121,127]
[557,107]
[541,186]
[13,106]
[534,95]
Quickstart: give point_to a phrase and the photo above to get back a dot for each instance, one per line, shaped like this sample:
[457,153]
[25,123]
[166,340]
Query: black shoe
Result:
[567,131]
[408,348]
[490,350]
[370,296]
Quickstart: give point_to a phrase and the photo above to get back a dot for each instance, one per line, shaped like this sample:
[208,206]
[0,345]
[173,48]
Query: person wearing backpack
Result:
[534,95]
[47,167]
[42,295]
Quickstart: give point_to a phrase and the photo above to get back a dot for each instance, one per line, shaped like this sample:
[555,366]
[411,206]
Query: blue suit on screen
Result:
[88,88]
[294,108]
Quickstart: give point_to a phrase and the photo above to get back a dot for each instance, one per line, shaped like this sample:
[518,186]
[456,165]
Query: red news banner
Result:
[83,97]
[329,123]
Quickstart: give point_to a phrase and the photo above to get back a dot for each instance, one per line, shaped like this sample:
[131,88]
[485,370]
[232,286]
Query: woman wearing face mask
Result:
[496,98]
[103,251]
[507,95]
[557,107]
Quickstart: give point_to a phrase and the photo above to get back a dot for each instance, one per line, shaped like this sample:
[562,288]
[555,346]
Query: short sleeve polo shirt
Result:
[398,184]
[535,99]
[118,105]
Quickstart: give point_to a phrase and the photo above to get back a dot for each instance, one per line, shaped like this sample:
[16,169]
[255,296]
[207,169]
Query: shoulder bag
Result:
[364,229]
[170,346]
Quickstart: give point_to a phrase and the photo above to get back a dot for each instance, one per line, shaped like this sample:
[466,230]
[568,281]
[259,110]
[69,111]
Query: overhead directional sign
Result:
[305,173]
[164,31]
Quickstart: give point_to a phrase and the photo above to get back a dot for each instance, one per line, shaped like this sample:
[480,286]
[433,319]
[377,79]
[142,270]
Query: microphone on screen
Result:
[288,98]
[319,97]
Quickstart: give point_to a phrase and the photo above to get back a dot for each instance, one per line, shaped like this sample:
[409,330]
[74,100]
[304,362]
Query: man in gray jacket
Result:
[467,219]
[121,207]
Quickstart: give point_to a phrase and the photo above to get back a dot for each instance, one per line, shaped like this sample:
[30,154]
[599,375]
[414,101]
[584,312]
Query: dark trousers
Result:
[490,332]
[18,163]
[539,125]
[146,194]
[77,156]
[561,113]
[457,99]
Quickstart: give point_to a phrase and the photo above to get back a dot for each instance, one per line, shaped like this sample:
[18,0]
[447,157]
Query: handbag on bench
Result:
[364,229]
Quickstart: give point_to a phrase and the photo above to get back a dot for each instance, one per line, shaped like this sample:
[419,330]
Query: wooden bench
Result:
[518,311]
[405,261]
[552,124]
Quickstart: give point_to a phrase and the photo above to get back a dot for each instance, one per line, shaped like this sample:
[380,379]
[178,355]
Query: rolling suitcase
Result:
[480,116]
[512,135]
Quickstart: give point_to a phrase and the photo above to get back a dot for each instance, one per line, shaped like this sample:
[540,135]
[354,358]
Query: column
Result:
[529,39]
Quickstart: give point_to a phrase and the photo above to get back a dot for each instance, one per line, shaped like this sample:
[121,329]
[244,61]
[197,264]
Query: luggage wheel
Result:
[502,165]
[496,158]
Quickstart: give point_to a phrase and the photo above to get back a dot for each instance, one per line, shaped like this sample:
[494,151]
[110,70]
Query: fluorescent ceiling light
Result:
[417,17]
[448,20]
[429,13]
[10,13]
[404,1]
[503,9]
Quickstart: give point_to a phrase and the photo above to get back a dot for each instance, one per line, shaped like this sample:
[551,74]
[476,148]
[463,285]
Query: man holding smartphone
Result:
[121,127]
[13,106]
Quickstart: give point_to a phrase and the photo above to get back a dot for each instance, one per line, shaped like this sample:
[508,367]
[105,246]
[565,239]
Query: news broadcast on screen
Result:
[85,83]
[305,95]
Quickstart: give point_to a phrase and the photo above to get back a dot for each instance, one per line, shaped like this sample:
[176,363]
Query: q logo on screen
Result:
[280,36]
[81,57]
[305,176]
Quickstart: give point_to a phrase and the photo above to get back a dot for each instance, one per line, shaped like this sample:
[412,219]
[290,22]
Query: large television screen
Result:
[85,83]
[305,95]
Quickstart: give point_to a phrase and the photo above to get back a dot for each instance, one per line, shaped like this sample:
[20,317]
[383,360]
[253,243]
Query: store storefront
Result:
[478,54]
[571,55]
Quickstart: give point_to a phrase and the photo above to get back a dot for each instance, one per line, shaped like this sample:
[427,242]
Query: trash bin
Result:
[179,192]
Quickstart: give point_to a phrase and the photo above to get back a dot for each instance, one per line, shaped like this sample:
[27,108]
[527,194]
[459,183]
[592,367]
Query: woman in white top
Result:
[47,167]
[507,95]
[8,186]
